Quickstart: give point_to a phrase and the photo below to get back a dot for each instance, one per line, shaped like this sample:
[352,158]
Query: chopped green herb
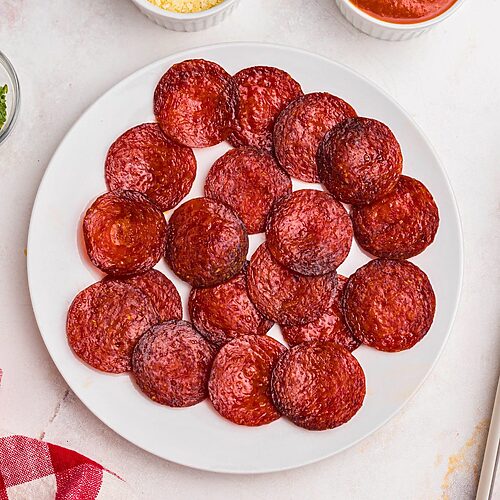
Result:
[3,105]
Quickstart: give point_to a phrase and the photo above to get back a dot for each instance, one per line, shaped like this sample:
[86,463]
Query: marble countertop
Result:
[68,53]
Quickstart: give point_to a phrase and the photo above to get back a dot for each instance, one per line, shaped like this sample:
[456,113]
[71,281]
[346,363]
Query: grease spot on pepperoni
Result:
[389,304]
[124,233]
[144,160]
[318,385]
[239,385]
[171,364]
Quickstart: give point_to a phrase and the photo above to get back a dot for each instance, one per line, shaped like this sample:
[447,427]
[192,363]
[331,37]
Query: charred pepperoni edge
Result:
[286,390]
[224,182]
[272,77]
[412,237]
[228,391]
[285,152]
[221,124]
[324,285]
[202,319]
[155,223]
[366,190]
[159,290]
[281,248]
[83,331]
[193,392]
[318,330]
[352,305]
[176,263]
[144,138]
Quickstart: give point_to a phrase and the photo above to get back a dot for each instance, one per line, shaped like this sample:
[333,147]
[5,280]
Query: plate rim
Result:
[186,53]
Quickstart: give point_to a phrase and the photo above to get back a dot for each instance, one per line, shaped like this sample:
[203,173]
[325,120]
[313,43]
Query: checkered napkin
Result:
[33,469]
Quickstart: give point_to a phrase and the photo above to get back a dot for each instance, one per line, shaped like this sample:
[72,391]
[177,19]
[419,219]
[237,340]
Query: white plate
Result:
[198,437]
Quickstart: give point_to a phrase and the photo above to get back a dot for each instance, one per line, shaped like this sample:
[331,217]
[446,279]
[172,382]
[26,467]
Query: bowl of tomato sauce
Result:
[396,19]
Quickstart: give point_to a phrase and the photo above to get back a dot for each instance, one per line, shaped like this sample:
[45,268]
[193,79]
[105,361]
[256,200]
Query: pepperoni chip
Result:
[359,161]
[104,323]
[400,225]
[144,160]
[171,364]
[285,297]
[161,292]
[225,311]
[318,385]
[207,244]
[239,385]
[249,181]
[389,304]
[263,93]
[330,326]
[195,103]
[309,232]
[300,129]
[124,233]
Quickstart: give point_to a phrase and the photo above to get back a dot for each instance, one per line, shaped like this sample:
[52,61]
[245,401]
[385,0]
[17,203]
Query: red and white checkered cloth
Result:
[34,469]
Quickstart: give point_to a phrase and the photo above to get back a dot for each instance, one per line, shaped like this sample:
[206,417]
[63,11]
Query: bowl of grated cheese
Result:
[186,15]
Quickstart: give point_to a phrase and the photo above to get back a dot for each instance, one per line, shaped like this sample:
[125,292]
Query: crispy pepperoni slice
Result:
[400,225]
[263,93]
[330,326]
[195,103]
[104,323]
[124,233]
[285,297]
[239,385]
[160,291]
[318,385]
[144,160]
[359,161]
[300,128]
[171,364]
[224,312]
[249,181]
[207,243]
[309,232]
[389,304]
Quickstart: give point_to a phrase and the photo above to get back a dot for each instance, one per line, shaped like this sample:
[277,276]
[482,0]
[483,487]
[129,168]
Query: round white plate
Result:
[198,437]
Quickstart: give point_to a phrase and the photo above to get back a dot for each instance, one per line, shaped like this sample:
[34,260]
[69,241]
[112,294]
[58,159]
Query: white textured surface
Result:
[68,53]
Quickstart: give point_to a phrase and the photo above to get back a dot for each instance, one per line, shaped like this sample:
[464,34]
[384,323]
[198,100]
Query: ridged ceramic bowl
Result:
[187,22]
[390,31]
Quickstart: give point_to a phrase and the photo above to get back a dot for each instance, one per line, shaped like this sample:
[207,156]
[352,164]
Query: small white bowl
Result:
[186,22]
[390,31]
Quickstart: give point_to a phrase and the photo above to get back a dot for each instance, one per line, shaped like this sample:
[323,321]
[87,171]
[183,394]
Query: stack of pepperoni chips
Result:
[132,320]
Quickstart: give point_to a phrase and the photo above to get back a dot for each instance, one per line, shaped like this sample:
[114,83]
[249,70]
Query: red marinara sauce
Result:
[404,11]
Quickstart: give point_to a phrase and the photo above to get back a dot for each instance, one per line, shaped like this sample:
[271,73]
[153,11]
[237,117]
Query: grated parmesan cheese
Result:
[185,6]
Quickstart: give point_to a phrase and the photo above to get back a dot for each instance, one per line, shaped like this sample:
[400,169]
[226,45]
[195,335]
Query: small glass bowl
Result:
[8,76]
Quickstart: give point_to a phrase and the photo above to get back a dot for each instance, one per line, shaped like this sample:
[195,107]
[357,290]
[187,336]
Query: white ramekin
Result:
[186,22]
[390,31]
